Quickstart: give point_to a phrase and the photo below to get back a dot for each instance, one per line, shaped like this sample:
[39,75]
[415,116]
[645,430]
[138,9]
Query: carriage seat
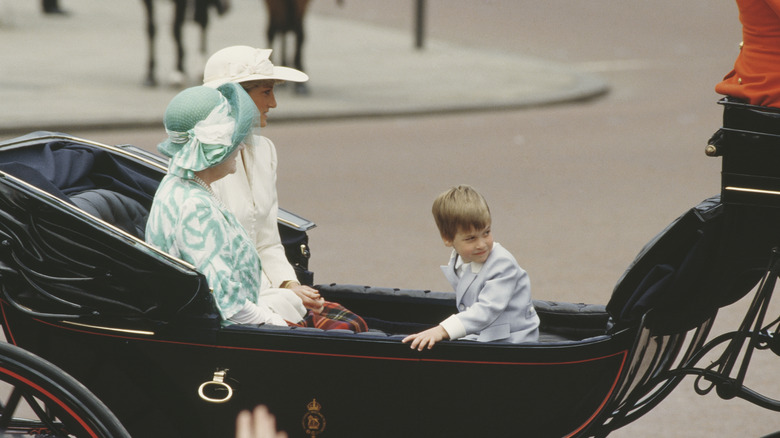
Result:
[115,208]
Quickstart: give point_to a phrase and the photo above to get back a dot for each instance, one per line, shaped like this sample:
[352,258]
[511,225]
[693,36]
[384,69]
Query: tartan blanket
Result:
[333,316]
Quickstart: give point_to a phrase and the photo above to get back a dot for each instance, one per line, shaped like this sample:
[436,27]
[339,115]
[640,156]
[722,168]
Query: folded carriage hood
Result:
[57,260]
[707,258]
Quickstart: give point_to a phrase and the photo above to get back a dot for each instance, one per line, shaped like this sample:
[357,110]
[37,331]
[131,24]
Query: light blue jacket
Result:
[494,303]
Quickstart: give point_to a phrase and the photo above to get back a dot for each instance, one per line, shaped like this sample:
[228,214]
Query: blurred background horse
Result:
[198,11]
[286,16]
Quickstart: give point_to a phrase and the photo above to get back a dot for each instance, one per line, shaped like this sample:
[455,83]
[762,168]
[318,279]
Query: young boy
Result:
[492,293]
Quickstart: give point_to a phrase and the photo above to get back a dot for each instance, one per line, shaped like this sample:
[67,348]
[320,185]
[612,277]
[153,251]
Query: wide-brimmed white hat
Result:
[244,63]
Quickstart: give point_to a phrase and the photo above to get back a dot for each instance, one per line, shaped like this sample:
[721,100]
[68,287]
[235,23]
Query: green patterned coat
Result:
[187,222]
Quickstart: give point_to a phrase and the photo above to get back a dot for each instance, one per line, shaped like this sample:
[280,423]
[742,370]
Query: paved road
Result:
[575,190]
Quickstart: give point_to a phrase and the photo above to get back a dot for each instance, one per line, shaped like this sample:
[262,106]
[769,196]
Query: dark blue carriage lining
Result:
[93,179]
[396,312]
[405,311]
[65,168]
[114,208]
[374,334]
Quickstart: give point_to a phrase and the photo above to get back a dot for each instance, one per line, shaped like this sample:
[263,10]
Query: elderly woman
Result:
[207,128]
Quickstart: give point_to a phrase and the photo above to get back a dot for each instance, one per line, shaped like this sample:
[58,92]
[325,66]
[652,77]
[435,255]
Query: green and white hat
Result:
[205,125]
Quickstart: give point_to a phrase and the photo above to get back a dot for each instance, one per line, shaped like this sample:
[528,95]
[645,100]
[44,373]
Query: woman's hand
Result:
[427,338]
[311,297]
[257,424]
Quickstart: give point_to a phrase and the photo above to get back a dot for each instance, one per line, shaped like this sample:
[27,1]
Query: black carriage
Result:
[138,328]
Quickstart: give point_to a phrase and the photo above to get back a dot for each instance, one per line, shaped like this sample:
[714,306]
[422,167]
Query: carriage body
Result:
[356,385]
[140,329]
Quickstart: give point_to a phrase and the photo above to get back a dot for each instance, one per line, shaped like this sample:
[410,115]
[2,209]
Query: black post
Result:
[419,40]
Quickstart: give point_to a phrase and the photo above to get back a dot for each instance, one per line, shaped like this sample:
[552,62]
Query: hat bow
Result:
[260,65]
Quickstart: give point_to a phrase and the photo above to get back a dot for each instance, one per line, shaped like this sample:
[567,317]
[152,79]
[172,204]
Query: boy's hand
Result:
[427,338]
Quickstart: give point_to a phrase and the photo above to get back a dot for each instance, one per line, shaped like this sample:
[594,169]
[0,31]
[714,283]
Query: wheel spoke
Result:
[42,415]
[10,408]
[44,401]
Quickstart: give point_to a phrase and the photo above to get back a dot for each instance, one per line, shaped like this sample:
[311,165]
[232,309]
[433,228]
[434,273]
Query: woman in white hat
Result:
[207,129]
[250,193]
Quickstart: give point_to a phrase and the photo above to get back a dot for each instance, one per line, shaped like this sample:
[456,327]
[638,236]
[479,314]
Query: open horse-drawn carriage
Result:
[140,330]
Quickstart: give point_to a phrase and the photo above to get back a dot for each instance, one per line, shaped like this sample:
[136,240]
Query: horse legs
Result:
[270,32]
[297,27]
[277,23]
[285,58]
[285,16]
[202,19]
[151,31]
[180,9]
[300,87]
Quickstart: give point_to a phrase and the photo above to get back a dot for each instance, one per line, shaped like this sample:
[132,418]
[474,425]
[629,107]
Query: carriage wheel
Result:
[38,399]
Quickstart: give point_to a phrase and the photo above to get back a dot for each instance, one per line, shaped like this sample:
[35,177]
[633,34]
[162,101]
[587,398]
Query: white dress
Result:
[250,193]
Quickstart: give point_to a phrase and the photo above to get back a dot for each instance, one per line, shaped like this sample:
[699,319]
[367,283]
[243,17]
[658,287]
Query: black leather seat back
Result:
[115,208]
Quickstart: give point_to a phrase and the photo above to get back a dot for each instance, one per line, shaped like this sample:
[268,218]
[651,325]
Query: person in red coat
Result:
[756,74]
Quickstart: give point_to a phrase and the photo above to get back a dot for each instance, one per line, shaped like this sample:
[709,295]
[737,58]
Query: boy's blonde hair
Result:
[460,208]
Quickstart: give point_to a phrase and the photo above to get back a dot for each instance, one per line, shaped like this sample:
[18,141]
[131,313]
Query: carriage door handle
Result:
[215,386]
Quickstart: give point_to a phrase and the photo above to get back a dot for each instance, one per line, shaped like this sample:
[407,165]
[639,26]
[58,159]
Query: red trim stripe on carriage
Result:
[352,356]
[5,324]
[603,402]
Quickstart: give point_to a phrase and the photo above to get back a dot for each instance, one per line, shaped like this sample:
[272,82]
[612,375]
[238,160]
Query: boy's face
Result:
[473,245]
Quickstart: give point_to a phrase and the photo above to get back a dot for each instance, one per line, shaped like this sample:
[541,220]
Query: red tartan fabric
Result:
[333,316]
